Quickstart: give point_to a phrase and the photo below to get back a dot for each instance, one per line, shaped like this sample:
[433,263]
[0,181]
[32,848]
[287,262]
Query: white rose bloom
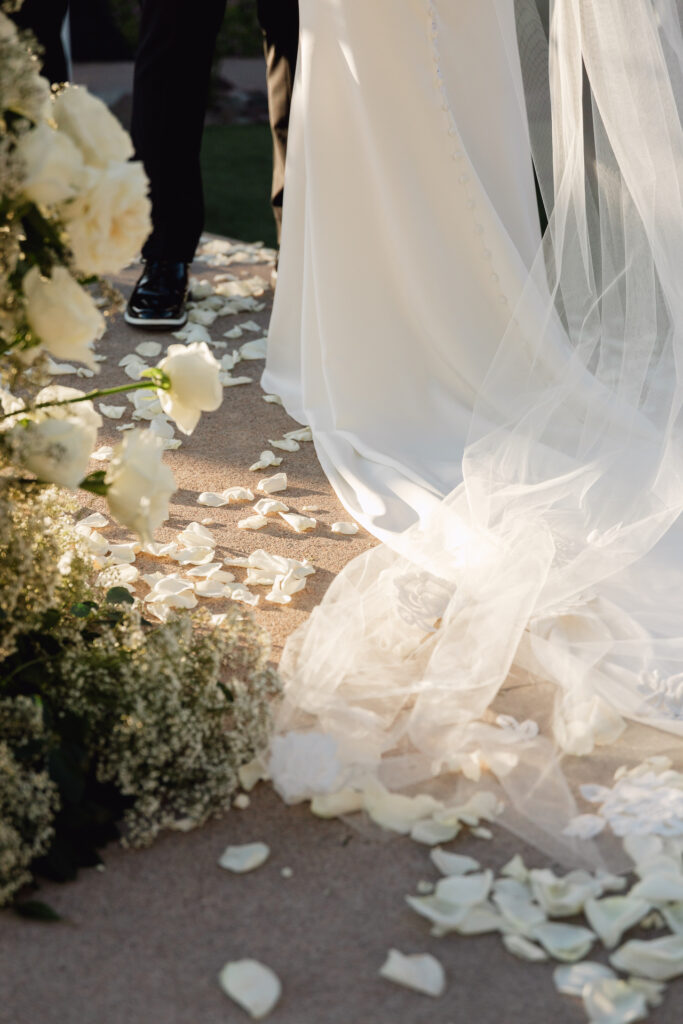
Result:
[109,221]
[62,314]
[140,485]
[195,384]
[91,125]
[53,165]
[57,444]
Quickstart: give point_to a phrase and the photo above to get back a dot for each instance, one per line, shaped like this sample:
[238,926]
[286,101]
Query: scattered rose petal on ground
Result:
[523,948]
[431,832]
[515,868]
[124,553]
[95,521]
[333,805]
[199,555]
[102,453]
[272,399]
[57,369]
[286,872]
[265,460]
[251,773]
[612,916]
[211,499]
[252,986]
[193,332]
[237,494]
[257,349]
[564,942]
[300,434]
[247,857]
[251,326]
[659,887]
[209,588]
[610,1001]
[453,863]
[241,802]
[285,444]
[242,594]
[148,349]
[347,528]
[273,484]
[255,522]
[570,980]
[652,990]
[233,333]
[228,381]
[270,507]
[418,971]
[300,524]
[310,508]
[655,959]
[112,412]
[195,534]
[562,897]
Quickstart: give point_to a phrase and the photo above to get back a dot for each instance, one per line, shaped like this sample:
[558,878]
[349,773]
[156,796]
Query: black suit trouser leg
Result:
[279,20]
[171,87]
[45,18]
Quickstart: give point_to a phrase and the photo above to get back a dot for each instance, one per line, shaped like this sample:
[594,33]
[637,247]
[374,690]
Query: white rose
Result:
[91,125]
[195,384]
[57,443]
[52,165]
[62,314]
[109,221]
[140,485]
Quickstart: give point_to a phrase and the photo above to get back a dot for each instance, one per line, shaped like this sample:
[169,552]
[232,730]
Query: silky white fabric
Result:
[506,418]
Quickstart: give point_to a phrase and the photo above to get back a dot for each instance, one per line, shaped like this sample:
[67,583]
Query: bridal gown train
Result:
[503,415]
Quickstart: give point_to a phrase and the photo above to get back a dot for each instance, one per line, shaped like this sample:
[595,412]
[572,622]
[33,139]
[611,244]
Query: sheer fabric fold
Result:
[532,555]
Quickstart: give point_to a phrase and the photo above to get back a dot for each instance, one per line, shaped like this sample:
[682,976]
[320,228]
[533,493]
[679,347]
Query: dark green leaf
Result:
[119,595]
[94,483]
[83,608]
[36,910]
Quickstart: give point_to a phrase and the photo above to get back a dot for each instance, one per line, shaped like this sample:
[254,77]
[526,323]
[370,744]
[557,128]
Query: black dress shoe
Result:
[158,299]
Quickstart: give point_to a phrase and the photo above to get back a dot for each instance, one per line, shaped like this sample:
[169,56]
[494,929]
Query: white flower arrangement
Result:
[73,206]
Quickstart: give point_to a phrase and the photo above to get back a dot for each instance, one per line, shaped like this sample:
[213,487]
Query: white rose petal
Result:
[62,314]
[269,507]
[200,555]
[334,805]
[571,980]
[118,576]
[464,890]
[211,499]
[251,326]
[238,494]
[431,833]
[656,959]
[610,1001]
[659,887]
[346,528]
[266,459]
[252,986]
[195,534]
[52,165]
[453,863]
[563,897]
[134,370]
[96,521]
[244,595]
[203,317]
[273,484]
[140,485]
[160,550]
[272,399]
[233,333]
[612,916]
[446,917]
[300,524]
[123,553]
[244,858]
[148,349]
[564,941]
[514,901]
[285,445]
[112,412]
[210,588]
[652,990]
[418,971]
[59,369]
[193,332]
[300,434]
[524,948]
[232,382]
[252,523]
[251,773]
[516,869]
[91,126]
[257,349]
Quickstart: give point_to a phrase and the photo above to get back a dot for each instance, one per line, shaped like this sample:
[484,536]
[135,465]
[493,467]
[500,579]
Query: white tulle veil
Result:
[547,587]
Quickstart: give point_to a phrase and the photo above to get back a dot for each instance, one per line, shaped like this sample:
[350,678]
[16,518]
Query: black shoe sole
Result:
[160,323]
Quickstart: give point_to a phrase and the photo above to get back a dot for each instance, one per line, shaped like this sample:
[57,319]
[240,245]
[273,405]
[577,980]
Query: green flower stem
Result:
[140,385]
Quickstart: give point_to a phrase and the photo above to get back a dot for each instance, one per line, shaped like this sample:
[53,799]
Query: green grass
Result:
[237,167]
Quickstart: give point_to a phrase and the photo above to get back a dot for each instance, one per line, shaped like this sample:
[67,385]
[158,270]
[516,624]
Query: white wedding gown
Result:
[504,416]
